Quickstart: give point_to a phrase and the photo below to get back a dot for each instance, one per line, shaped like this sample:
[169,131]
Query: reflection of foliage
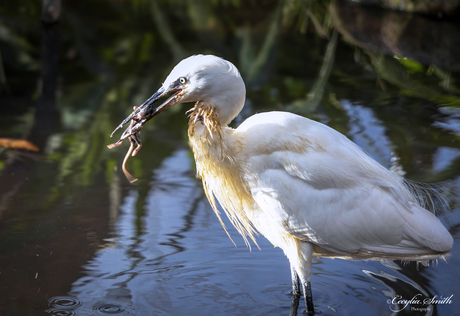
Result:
[315,96]
[253,61]
[410,64]
[447,81]
[394,35]
[399,74]
[165,31]
[309,12]
[116,55]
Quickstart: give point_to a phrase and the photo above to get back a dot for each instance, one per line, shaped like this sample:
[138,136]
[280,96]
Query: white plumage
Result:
[304,186]
[332,194]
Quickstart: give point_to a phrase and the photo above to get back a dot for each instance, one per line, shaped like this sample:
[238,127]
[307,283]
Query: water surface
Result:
[78,239]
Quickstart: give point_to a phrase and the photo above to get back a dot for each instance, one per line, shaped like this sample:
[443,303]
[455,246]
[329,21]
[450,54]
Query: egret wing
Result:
[320,187]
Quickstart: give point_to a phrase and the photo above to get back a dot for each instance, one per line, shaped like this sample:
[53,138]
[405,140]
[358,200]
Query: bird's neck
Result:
[216,155]
[204,121]
[211,141]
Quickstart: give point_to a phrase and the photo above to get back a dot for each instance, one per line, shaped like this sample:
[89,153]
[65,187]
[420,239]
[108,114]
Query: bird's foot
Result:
[312,312]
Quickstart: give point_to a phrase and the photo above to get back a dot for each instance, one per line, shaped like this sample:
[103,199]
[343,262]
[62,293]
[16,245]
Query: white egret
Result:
[304,186]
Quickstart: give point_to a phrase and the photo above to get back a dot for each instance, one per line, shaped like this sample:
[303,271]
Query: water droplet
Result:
[64,302]
[109,308]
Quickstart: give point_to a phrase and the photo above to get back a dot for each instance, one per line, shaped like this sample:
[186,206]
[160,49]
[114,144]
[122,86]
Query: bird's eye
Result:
[182,80]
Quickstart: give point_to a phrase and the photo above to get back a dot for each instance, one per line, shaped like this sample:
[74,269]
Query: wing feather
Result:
[320,187]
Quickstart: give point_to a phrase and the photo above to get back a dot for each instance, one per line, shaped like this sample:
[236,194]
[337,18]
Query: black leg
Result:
[308,298]
[302,278]
[295,282]
[295,292]
[294,305]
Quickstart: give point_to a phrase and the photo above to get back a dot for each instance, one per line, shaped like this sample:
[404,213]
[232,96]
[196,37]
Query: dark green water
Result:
[76,238]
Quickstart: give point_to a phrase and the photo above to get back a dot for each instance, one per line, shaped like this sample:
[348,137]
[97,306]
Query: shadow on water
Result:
[78,239]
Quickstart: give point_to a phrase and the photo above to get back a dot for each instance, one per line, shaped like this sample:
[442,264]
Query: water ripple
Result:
[63,306]
[64,302]
[69,306]
[59,312]
[108,308]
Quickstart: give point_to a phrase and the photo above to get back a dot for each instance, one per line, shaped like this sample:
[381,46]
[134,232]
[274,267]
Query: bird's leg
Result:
[295,292]
[308,298]
[294,305]
[295,282]
[307,251]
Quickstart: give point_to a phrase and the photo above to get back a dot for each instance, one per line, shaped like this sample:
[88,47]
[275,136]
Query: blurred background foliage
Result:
[387,79]
[298,55]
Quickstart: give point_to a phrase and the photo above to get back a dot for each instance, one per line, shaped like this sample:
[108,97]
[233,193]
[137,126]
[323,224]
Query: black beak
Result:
[140,116]
[144,106]
[145,111]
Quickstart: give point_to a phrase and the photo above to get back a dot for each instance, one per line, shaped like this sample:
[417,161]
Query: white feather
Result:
[307,188]
[332,194]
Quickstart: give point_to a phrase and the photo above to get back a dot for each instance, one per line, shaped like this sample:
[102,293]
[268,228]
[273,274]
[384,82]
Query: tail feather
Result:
[425,229]
[434,197]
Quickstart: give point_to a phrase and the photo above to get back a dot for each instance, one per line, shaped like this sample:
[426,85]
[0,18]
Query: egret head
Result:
[205,78]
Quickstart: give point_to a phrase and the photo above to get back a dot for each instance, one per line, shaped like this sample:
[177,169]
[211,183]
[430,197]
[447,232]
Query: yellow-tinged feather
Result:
[220,172]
